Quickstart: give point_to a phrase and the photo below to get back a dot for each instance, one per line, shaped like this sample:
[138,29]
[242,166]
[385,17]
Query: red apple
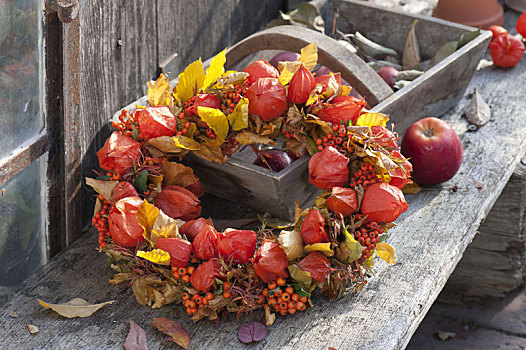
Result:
[434,149]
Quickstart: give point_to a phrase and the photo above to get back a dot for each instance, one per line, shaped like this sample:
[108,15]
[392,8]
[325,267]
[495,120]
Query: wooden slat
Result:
[54,124]
[203,28]
[22,157]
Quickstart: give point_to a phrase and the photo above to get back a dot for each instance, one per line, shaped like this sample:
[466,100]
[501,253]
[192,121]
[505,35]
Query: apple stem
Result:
[429,132]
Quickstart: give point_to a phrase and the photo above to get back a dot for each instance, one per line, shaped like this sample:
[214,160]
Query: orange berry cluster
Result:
[196,301]
[182,125]
[338,139]
[364,176]
[100,221]
[368,235]
[283,299]
[232,98]
[183,273]
[126,124]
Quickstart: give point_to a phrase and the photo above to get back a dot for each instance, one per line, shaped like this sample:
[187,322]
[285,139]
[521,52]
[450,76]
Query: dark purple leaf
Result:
[136,339]
[252,331]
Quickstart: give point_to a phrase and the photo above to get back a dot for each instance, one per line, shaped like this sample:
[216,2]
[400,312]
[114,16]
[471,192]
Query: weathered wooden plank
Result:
[495,262]
[203,28]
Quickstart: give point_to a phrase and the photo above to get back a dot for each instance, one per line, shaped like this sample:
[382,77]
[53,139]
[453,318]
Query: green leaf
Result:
[135,134]
[140,182]
[467,37]
[302,277]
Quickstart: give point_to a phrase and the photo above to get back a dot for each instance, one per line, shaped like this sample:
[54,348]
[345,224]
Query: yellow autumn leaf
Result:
[309,56]
[372,119]
[304,278]
[232,78]
[157,256]
[386,252]
[215,119]
[354,247]
[313,97]
[190,81]
[146,217]
[159,92]
[324,248]
[186,142]
[345,90]
[239,118]
[216,69]
[288,69]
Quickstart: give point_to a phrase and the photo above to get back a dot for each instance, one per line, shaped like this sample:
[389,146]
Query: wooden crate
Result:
[431,94]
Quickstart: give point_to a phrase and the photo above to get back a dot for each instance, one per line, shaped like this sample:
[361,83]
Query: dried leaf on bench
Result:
[252,332]
[136,339]
[478,112]
[177,174]
[105,188]
[444,51]
[32,329]
[247,138]
[173,329]
[411,58]
[13,314]
[75,308]
[386,252]
[411,188]
[445,335]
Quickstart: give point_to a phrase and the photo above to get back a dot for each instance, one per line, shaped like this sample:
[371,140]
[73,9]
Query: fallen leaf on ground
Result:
[13,315]
[252,332]
[478,185]
[75,308]
[270,317]
[173,329]
[32,329]
[445,335]
[411,188]
[136,339]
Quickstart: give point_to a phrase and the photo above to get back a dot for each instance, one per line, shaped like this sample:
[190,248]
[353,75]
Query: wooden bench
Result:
[430,240]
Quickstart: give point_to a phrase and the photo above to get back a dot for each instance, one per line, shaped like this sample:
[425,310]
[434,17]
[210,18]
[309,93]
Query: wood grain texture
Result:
[430,239]
[495,262]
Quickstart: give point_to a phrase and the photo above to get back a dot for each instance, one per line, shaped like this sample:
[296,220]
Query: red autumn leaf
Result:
[178,248]
[237,246]
[270,262]
[506,50]
[196,188]
[174,330]
[497,30]
[384,137]
[136,339]
[328,169]
[119,153]
[301,85]
[192,228]
[203,100]
[156,122]
[204,275]
[324,80]
[122,190]
[178,203]
[317,264]
[252,332]
[342,201]
[260,69]
[267,99]
[204,245]
[342,109]
[124,226]
[521,25]
[313,228]
[383,203]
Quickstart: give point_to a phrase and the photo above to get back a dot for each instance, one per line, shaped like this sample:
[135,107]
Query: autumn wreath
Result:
[147,209]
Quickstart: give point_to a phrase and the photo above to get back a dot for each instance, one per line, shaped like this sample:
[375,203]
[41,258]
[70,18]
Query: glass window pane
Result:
[21,116]
[22,226]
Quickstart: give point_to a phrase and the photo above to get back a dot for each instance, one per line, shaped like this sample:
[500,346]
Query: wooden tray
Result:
[433,93]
